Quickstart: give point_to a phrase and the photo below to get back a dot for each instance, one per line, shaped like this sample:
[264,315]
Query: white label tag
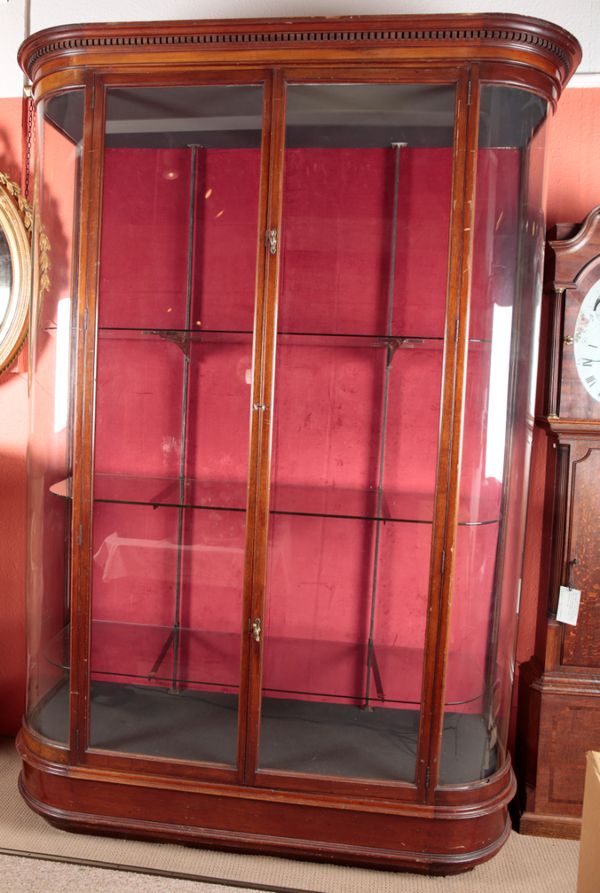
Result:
[568,605]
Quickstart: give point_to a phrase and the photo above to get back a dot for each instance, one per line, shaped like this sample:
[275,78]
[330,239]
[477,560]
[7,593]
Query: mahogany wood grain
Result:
[573,265]
[573,251]
[255,507]
[485,796]
[581,644]
[86,308]
[422,839]
[449,446]
[267,387]
[534,43]
[420,827]
[560,692]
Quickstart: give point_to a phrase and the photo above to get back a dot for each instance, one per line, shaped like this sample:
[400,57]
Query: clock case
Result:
[573,268]
[560,686]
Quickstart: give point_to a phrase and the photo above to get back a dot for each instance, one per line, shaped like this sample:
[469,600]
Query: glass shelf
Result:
[287,339]
[178,336]
[162,491]
[135,653]
[315,339]
[198,330]
[309,501]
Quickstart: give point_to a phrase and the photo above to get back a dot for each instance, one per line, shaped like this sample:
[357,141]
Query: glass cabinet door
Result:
[497,431]
[174,373]
[356,418]
[52,324]
[359,334]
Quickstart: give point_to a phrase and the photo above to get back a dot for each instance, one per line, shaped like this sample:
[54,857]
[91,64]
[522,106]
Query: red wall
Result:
[13,434]
[573,188]
[573,158]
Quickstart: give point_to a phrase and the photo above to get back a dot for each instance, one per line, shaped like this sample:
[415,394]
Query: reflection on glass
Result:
[367,184]
[174,371]
[62,376]
[501,360]
[49,453]
[498,392]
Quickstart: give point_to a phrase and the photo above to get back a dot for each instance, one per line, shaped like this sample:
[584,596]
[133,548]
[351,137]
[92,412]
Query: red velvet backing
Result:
[328,417]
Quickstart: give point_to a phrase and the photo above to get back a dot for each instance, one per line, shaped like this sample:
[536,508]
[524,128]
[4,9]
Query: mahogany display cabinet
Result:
[281,399]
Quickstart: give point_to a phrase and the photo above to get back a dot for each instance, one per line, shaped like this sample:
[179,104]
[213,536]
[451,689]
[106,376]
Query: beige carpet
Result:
[525,865]
[26,875]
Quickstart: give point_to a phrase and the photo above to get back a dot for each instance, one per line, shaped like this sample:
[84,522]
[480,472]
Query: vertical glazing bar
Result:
[264,348]
[453,396]
[184,412]
[386,387]
[83,382]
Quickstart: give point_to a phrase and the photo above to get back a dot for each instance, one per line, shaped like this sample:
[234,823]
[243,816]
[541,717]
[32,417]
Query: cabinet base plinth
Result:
[550,826]
[412,837]
[559,723]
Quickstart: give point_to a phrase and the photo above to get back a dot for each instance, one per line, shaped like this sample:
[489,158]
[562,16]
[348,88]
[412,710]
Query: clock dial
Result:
[586,342]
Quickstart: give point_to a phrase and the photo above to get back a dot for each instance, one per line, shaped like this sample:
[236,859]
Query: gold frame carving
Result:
[16,224]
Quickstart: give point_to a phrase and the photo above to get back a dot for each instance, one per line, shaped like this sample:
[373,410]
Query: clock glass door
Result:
[586,345]
[174,374]
[356,417]
[580,373]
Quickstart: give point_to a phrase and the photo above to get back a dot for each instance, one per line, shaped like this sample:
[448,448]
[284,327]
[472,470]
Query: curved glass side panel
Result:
[49,453]
[174,371]
[501,365]
[367,192]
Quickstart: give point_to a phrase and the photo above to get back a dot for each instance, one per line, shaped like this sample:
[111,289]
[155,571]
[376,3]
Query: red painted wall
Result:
[573,157]
[573,188]
[13,434]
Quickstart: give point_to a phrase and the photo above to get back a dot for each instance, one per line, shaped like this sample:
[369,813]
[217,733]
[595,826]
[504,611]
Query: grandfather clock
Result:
[562,681]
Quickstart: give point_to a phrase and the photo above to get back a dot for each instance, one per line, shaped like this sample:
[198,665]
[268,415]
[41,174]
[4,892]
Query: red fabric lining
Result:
[328,409]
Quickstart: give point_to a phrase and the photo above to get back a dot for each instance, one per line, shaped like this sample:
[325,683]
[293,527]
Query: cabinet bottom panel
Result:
[348,830]
[307,736]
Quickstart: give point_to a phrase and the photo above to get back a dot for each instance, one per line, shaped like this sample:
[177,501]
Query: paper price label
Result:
[568,605]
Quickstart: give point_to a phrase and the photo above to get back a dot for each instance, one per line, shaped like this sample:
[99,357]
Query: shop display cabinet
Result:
[281,380]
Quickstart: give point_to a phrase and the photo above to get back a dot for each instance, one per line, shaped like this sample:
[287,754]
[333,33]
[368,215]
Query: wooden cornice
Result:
[525,41]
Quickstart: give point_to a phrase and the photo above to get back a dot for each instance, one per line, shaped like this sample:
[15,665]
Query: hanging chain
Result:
[28,142]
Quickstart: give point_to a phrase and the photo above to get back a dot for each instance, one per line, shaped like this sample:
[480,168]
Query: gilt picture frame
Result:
[15,270]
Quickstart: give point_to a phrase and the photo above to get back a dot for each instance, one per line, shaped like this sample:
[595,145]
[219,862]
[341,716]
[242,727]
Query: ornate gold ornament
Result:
[15,269]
